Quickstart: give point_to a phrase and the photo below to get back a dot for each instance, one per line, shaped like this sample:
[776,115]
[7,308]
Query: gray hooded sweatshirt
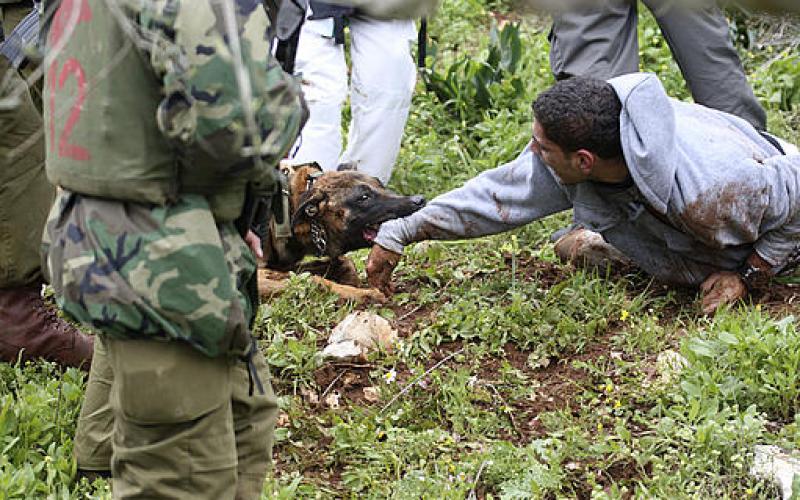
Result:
[707,190]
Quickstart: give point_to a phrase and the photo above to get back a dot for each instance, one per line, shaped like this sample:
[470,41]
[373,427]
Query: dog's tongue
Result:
[370,233]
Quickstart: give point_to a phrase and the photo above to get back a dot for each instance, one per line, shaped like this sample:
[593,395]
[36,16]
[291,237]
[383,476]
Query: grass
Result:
[516,377]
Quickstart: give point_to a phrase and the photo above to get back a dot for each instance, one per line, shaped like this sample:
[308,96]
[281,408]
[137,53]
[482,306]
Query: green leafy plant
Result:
[470,87]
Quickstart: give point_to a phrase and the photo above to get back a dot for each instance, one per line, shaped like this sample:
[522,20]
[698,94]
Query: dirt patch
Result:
[778,298]
[532,269]
[556,386]
[347,380]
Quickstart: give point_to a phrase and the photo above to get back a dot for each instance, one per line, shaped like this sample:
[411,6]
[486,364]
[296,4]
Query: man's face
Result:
[565,165]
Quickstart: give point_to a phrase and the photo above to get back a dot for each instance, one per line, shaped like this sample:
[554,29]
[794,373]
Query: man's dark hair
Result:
[581,113]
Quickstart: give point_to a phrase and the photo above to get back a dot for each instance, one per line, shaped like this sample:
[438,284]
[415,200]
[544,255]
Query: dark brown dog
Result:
[329,214]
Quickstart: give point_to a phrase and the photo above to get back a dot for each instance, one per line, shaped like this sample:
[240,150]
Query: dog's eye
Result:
[364,197]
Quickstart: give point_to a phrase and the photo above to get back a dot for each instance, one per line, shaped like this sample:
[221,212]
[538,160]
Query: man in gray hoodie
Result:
[692,195]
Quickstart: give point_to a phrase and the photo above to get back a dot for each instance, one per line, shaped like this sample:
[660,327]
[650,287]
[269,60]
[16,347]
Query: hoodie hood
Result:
[647,131]
[671,147]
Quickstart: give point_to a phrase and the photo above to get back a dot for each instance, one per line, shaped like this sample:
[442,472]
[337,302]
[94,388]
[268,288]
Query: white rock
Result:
[372,394]
[342,350]
[773,463]
[358,334]
[332,400]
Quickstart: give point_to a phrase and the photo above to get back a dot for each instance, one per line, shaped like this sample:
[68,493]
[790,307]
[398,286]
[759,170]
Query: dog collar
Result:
[319,238]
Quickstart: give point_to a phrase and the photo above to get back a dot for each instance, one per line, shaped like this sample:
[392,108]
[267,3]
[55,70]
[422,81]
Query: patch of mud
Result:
[778,298]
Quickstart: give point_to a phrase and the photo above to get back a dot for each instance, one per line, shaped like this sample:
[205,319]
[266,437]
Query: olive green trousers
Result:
[25,194]
[173,423]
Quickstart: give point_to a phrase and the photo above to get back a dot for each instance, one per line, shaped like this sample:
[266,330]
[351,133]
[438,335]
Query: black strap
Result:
[422,42]
[772,140]
[252,373]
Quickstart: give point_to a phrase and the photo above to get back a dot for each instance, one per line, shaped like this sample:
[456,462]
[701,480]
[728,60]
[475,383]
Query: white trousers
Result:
[383,78]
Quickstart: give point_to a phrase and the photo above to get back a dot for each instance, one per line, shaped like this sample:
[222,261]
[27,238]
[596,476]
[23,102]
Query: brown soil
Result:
[557,385]
[779,298]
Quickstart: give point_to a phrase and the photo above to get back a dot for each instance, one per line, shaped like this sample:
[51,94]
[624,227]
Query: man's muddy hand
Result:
[380,266]
[723,287]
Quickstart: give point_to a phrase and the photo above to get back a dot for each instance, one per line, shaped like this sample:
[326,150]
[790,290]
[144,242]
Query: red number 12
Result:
[71,68]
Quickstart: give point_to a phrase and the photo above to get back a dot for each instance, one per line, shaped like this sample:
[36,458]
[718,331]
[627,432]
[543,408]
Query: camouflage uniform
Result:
[178,130]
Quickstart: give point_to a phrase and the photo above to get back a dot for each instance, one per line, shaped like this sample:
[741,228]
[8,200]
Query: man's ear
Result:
[309,208]
[586,161]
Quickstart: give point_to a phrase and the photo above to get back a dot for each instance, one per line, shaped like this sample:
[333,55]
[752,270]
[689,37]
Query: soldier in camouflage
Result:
[164,140]
[29,328]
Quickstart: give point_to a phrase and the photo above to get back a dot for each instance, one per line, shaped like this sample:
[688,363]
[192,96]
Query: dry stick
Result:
[503,401]
[409,313]
[427,372]
[472,495]
[325,392]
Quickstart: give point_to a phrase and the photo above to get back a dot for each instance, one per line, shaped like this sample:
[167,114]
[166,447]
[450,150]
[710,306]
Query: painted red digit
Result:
[65,12]
[72,68]
[51,79]
[65,148]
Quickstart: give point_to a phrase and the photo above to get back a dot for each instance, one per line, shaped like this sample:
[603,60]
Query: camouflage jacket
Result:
[132,270]
[181,97]
[153,135]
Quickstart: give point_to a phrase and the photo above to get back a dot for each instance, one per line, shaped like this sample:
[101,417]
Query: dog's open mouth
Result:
[371,232]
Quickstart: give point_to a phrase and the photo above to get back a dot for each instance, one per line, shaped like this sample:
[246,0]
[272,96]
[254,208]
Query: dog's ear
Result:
[309,208]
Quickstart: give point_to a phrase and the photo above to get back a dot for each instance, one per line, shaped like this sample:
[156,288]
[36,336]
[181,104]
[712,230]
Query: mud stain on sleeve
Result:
[502,211]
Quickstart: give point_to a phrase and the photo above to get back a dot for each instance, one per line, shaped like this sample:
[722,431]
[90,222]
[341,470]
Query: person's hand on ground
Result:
[723,287]
[380,266]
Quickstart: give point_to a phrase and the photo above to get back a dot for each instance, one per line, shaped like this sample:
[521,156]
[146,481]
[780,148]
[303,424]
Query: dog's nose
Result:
[418,200]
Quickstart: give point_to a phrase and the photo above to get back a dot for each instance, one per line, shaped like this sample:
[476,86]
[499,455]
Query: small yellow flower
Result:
[599,427]
[624,315]
[609,388]
[390,376]
[749,492]
[617,404]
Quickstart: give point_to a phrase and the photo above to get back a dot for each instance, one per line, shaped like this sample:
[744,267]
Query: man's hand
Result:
[723,287]
[380,266]
[254,242]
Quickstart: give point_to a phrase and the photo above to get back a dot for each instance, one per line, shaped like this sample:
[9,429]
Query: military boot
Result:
[30,326]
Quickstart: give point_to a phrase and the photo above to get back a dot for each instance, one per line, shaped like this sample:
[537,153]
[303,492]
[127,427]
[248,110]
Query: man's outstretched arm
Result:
[497,200]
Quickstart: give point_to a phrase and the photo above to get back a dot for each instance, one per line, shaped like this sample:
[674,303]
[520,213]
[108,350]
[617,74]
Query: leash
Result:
[281,222]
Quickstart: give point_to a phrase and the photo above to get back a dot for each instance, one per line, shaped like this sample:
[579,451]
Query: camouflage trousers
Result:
[25,194]
[178,424]
[140,271]
[168,402]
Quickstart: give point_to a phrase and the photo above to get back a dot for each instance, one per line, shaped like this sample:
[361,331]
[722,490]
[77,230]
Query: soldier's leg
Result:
[28,326]
[173,424]
[25,193]
[95,430]
[598,41]
[320,64]
[254,425]
[382,81]
[701,43]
